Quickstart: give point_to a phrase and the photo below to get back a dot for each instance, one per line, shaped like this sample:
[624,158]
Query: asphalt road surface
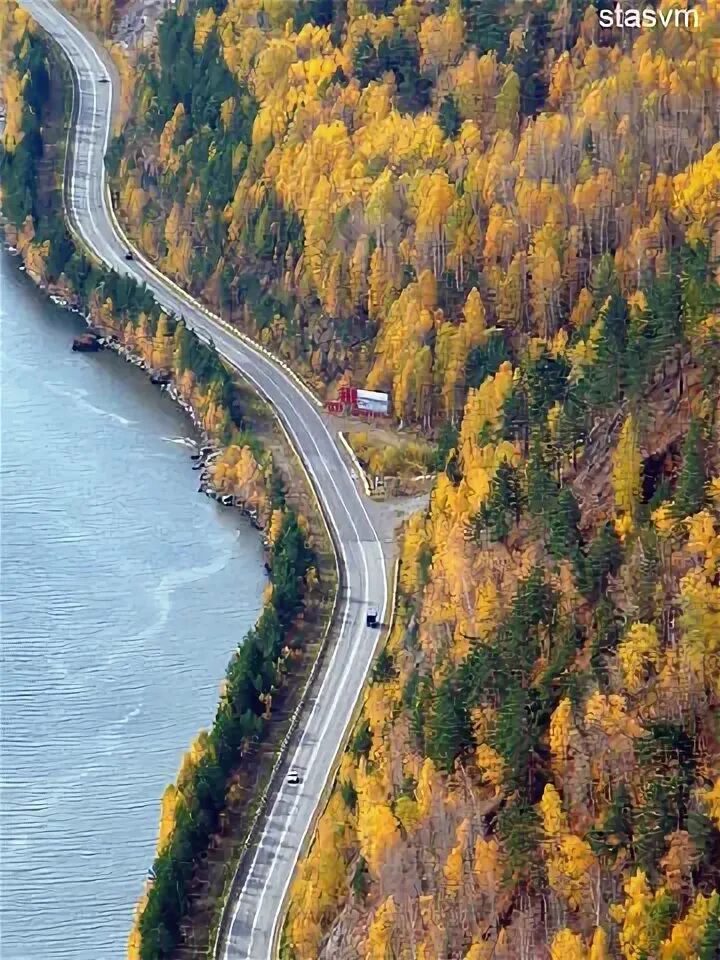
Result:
[256,911]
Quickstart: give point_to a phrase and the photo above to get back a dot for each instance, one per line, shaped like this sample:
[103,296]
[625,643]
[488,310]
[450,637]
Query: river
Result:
[123,594]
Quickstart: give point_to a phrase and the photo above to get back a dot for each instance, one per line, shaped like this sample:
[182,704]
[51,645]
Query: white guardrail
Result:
[294,719]
[355,462]
[312,676]
[213,317]
[383,638]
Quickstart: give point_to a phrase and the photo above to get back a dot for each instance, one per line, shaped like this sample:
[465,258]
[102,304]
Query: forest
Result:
[406,194]
[508,217]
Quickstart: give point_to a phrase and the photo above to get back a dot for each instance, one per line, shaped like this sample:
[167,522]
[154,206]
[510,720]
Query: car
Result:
[103,80]
[128,255]
[293,777]
[372,617]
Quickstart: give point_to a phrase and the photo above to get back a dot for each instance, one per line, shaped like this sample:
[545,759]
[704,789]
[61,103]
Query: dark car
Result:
[103,80]
[293,778]
[372,617]
[128,255]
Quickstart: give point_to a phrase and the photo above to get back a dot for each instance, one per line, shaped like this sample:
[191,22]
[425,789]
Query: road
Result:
[256,912]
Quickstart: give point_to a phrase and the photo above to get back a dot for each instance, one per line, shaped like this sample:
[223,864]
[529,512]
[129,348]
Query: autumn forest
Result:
[508,218]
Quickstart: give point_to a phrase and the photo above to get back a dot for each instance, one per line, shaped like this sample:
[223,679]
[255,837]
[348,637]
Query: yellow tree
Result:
[377,827]
[700,622]
[567,945]
[168,808]
[561,727]
[686,937]
[546,278]
[322,879]
[441,38]
[454,868]
[636,915]
[204,25]
[639,650]
[507,103]
[599,948]
[486,864]
[380,931]
[569,858]
[711,799]
[433,197]
[13,98]
[627,476]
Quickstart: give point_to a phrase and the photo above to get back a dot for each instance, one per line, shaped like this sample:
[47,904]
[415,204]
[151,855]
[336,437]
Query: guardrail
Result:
[213,317]
[355,462]
[339,579]
[294,719]
[309,838]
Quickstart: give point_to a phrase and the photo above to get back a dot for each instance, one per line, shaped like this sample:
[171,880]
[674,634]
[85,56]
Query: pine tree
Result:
[529,63]
[605,380]
[603,557]
[484,360]
[486,25]
[710,945]
[319,12]
[362,741]
[263,240]
[449,729]
[514,738]
[520,830]
[508,489]
[604,282]
[616,833]
[349,794]
[503,507]
[365,60]
[449,117]
[690,490]
[563,534]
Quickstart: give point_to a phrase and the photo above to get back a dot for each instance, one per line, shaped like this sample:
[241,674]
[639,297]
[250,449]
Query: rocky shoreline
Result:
[205,450]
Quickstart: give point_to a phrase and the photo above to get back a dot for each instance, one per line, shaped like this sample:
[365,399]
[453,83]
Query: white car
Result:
[293,777]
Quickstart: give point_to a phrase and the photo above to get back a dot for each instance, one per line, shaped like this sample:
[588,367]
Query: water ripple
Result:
[123,595]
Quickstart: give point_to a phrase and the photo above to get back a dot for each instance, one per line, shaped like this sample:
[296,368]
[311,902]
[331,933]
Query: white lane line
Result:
[341,681]
[192,303]
[81,47]
[328,676]
[75,194]
[313,759]
[238,346]
[277,917]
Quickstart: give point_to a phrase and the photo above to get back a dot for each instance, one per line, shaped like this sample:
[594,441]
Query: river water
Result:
[123,594]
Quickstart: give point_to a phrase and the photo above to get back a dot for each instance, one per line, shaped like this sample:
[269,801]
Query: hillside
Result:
[370,187]
[509,218]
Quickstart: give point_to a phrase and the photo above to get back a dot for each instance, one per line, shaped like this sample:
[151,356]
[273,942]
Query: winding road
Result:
[254,913]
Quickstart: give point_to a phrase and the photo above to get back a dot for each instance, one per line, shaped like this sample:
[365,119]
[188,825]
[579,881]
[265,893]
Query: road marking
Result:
[266,367]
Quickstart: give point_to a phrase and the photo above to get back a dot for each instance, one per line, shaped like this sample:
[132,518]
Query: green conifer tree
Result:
[690,490]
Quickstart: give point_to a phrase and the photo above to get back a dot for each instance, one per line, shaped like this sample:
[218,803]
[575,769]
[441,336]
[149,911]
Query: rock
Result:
[87,343]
